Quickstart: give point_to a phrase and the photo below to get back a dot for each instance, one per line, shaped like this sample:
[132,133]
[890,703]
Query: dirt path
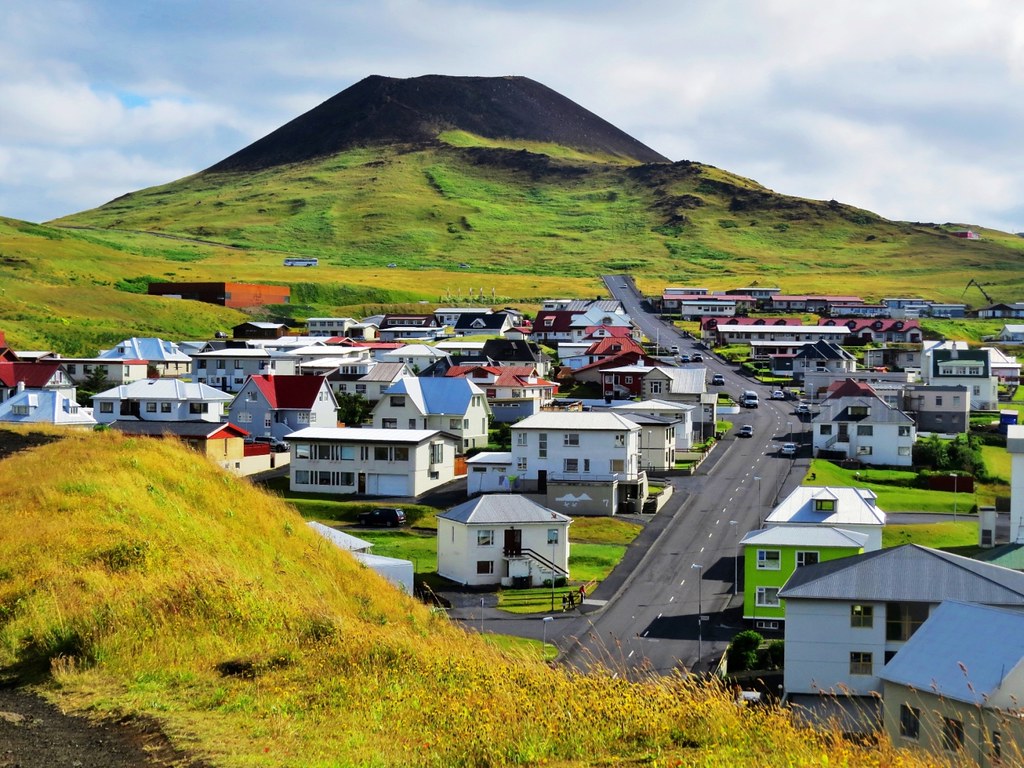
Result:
[36,734]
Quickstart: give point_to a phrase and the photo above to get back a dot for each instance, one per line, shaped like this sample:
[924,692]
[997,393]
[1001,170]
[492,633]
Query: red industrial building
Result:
[235,295]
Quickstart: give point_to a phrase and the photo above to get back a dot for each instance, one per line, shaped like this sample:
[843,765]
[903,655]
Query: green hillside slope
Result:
[135,578]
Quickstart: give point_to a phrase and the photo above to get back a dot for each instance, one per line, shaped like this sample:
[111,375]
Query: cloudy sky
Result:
[911,108]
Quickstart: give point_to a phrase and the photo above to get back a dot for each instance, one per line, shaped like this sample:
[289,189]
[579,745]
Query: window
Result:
[20,410]
[620,441]
[389,423]
[952,734]
[903,619]
[150,407]
[806,558]
[586,465]
[571,439]
[397,401]
[904,430]
[485,538]
[903,450]
[618,465]
[863,450]
[768,597]
[400,453]
[655,387]
[552,535]
[484,567]
[521,463]
[521,438]
[865,430]
[302,477]
[238,365]
[195,408]
[995,746]
[826,429]
[542,445]
[860,663]
[938,400]
[768,559]
[910,722]
[862,616]
[380,453]
[302,417]
[824,505]
[106,407]
[571,465]
[360,389]
[251,395]
[454,423]
[302,451]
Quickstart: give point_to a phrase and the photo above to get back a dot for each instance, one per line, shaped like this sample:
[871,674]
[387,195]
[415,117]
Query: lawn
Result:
[891,498]
[418,546]
[962,533]
[997,462]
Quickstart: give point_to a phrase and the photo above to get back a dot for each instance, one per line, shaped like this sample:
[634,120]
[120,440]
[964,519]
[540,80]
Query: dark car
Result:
[276,444]
[382,517]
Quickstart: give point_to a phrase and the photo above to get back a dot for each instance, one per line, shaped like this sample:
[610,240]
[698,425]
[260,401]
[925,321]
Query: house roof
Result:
[684,381]
[851,506]
[46,406]
[385,372]
[289,391]
[165,389]
[824,350]
[578,422]
[415,350]
[368,435]
[620,361]
[909,573]
[151,349]
[491,457]
[805,535]
[340,538]
[614,345]
[441,395]
[654,405]
[512,350]
[838,409]
[205,429]
[725,323]
[482,321]
[34,375]
[613,331]
[502,508]
[937,659]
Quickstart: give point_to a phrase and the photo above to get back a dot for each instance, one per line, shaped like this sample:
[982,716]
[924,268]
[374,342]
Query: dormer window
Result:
[824,505]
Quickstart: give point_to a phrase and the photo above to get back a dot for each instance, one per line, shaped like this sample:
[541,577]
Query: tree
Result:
[743,650]
[353,408]
[95,382]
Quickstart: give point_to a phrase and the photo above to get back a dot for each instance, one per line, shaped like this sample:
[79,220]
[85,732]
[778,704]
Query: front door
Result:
[361,483]
[844,432]
[513,542]
[542,481]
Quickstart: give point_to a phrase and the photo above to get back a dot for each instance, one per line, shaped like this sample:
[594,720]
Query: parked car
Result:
[276,444]
[745,431]
[383,517]
[788,449]
[718,379]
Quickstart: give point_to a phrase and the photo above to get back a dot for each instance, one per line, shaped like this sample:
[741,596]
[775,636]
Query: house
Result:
[44,374]
[235,295]
[822,357]
[482,323]
[488,472]
[1004,367]
[893,357]
[275,406]
[418,357]
[516,352]
[963,700]
[161,400]
[164,358]
[221,442]
[229,368]
[771,555]
[1016,309]
[938,408]
[855,423]
[679,415]
[373,462]
[878,331]
[502,539]
[45,406]
[567,319]
[399,572]
[584,463]
[596,351]
[80,369]
[847,618]
[817,304]
[953,363]
[851,509]
[367,379]
[347,327]
[252,329]
[625,373]
[454,405]
[717,332]
[512,392]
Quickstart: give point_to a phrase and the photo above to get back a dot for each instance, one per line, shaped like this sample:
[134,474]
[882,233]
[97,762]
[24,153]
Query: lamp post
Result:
[954,476]
[759,524]
[700,618]
[544,643]
[735,525]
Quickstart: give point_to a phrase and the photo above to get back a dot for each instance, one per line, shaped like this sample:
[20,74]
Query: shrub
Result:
[743,650]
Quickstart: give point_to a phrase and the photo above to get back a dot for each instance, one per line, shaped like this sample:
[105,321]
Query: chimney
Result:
[21,387]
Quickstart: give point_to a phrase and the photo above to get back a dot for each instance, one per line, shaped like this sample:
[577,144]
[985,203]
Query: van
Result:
[749,399]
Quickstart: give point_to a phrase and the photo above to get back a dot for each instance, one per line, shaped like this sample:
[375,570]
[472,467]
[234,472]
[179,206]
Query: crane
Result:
[977,285]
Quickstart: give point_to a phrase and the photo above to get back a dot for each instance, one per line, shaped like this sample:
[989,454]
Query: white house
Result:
[847,618]
[488,472]
[45,406]
[454,405]
[502,539]
[160,400]
[512,392]
[399,572]
[79,369]
[850,509]
[164,357]
[586,463]
[418,357]
[228,369]
[855,422]
[374,462]
[952,363]
[680,414]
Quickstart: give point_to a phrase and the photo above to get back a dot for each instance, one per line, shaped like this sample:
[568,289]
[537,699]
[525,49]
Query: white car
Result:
[778,394]
[803,408]
[788,449]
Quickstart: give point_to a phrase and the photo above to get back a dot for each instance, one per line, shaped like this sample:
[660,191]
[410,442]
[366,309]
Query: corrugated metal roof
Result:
[439,395]
[852,506]
[340,538]
[503,508]
[937,659]
[806,535]
[909,573]
[166,389]
[367,434]
[578,421]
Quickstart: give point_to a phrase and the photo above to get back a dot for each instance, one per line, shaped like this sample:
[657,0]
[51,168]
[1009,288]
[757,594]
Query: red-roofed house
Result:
[855,423]
[634,387]
[600,350]
[513,391]
[275,406]
[36,375]
[719,331]
[881,330]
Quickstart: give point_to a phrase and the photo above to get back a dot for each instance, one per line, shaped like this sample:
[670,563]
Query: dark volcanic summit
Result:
[388,110]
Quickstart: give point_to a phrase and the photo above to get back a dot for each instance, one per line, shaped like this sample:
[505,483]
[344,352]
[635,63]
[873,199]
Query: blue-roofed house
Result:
[957,686]
[502,538]
[164,358]
[456,406]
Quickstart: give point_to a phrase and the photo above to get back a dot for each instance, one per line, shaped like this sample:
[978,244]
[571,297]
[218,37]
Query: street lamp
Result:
[734,524]
[759,524]
[954,476]
[544,643]
[700,619]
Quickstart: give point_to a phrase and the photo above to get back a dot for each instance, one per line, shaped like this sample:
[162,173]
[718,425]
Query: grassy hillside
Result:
[136,578]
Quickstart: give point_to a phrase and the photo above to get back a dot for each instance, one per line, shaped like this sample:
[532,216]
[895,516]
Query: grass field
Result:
[890,498]
[963,533]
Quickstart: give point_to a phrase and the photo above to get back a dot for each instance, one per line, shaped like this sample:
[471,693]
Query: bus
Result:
[301,262]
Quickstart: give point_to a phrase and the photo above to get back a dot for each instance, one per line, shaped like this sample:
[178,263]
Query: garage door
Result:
[390,485]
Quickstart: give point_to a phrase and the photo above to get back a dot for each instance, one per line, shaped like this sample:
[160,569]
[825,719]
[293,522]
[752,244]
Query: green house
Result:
[771,555]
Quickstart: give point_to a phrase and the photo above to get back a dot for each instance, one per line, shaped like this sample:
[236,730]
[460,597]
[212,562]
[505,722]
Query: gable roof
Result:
[502,508]
[909,573]
[850,388]
[618,360]
[386,372]
[440,395]
[34,375]
[614,345]
[289,391]
[823,350]
[165,389]
[511,350]
[482,321]
[805,535]
[850,506]
[578,421]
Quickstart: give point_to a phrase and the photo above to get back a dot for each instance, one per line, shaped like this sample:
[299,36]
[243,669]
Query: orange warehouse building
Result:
[235,295]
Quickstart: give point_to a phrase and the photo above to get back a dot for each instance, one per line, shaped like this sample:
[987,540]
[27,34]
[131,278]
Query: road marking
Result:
[631,654]
[659,616]
[710,534]
[645,633]
[672,598]
[682,582]
[701,549]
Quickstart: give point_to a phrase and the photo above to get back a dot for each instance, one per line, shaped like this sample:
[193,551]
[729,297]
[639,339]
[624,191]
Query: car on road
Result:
[803,408]
[697,357]
[683,358]
[788,449]
[276,444]
[674,349]
[382,517]
[778,394]
[745,431]
[718,379]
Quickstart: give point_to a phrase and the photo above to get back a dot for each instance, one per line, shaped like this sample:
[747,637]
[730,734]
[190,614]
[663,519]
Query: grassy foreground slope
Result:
[136,578]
